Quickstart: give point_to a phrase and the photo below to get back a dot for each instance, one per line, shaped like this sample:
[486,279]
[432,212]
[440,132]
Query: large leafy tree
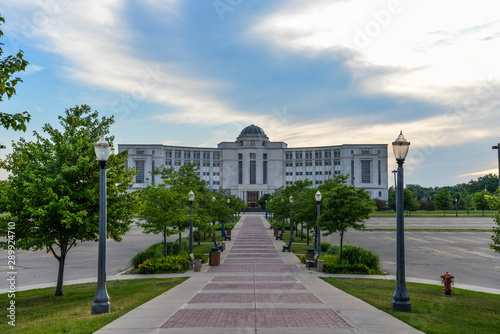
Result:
[343,207]
[410,202]
[480,202]
[305,209]
[442,200]
[9,66]
[52,194]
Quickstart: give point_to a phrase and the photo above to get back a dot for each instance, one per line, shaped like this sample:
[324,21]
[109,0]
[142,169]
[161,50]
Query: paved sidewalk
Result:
[257,289]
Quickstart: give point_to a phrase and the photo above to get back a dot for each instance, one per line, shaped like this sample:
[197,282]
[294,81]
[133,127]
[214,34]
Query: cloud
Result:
[32,68]
[480,173]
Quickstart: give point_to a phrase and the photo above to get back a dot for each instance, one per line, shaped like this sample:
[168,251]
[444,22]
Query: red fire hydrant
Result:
[447,279]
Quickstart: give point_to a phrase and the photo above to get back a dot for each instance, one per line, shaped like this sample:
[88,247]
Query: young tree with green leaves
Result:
[410,202]
[442,200]
[480,202]
[52,193]
[343,207]
[304,210]
[494,203]
[9,66]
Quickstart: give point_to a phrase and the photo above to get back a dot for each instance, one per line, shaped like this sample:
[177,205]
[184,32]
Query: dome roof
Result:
[252,130]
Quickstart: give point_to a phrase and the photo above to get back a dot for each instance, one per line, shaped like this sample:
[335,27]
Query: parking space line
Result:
[390,238]
[475,253]
[442,252]
[417,239]
[445,240]
[468,240]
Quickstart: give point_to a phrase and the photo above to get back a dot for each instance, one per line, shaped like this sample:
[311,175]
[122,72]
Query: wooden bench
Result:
[280,236]
[311,261]
[219,246]
[287,248]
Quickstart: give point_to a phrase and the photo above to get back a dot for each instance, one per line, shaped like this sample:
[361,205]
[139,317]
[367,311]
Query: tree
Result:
[344,207]
[442,200]
[392,198]
[161,210]
[305,209]
[410,202]
[262,201]
[494,202]
[52,194]
[480,202]
[9,66]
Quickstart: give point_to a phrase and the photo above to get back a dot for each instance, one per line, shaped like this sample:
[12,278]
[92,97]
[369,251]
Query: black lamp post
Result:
[191,199]
[291,220]
[401,299]
[498,149]
[456,207]
[101,298]
[318,231]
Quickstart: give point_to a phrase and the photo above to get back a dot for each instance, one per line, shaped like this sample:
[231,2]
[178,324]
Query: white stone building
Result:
[252,165]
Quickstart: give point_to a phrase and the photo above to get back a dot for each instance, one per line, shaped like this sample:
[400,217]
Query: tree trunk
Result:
[341,243]
[180,239]
[165,245]
[198,236]
[301,231]
[307,237]
[60,273]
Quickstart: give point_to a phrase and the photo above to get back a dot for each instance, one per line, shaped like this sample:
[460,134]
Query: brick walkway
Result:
[277,299]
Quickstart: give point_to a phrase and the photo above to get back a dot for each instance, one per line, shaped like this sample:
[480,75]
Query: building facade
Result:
[252,165]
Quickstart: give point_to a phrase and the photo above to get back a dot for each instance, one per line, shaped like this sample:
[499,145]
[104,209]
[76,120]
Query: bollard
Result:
[447,279]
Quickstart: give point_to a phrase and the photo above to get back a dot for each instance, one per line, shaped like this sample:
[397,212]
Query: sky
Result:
[310,73]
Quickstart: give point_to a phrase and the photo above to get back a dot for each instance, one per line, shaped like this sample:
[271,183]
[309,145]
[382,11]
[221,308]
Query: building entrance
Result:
[252,197]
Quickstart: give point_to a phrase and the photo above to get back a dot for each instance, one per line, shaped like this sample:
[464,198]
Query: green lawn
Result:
[464,311]
[437,213]
[39,311]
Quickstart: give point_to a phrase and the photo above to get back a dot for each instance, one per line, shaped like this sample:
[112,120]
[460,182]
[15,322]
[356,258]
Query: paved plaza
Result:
[256,289]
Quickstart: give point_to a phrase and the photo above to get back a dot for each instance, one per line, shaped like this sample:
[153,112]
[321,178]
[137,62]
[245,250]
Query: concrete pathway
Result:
[257,289]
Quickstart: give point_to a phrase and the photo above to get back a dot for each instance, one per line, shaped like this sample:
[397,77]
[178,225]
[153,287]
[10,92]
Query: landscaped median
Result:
[42,312]
[464,311]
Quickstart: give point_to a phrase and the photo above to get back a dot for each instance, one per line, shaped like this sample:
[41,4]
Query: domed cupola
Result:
[252,130]
[252,136]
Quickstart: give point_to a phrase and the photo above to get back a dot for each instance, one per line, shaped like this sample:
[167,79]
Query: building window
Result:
[337,172]
[252,142]
[319,182]
[206,155]
[187,155]
[365,152]
[216,164]
[177,154]
[168,162]
[289,164]
[177,162]
[298,164]
[139,167]
[309,163]
[168,154]
[319,163]
[288,155]
[139,152]
[379,174]
[240,172]
[240,156]
[328,163]
[352,151]
[196,155]
[317,155]
[264,156]
[352,171]
[153,152]
[328,154]
[319,173]
[241,142]
[253,156]
[153,167]
[336,153]
[264,172]
[253,172]
[298,155]
[206,163]
[216,155]
[336,162]
[263,143]
[365,171]
[309,155]
[380,194]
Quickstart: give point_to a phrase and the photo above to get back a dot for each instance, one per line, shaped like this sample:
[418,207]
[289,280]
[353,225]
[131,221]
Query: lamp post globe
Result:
[191,199]
[401,299]
[101,303]
[318,230]
[290,199]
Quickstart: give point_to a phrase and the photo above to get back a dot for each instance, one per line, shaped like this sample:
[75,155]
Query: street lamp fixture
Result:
[456,207]
[318,231]
[497,147]
[401,299]
[291,220]
[191,199]
[101,298]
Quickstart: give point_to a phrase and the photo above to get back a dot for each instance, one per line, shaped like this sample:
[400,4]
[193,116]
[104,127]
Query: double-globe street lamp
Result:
[401,299]
[191,199]
[101,298]
[318,231]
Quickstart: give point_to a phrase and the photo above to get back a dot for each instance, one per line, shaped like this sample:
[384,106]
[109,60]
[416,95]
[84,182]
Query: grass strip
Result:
[434,229]
[432,311]
[39,311]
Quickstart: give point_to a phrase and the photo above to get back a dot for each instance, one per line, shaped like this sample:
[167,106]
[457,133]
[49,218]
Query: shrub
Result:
[171,264]
[325,246]
[140,257]
[155,251]
[356,255]
[302,259]
[203,257]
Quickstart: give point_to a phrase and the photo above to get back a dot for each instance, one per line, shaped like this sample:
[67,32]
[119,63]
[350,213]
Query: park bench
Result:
[280,236]
[227,238]
[311,261]
[219,246]
[287,247]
